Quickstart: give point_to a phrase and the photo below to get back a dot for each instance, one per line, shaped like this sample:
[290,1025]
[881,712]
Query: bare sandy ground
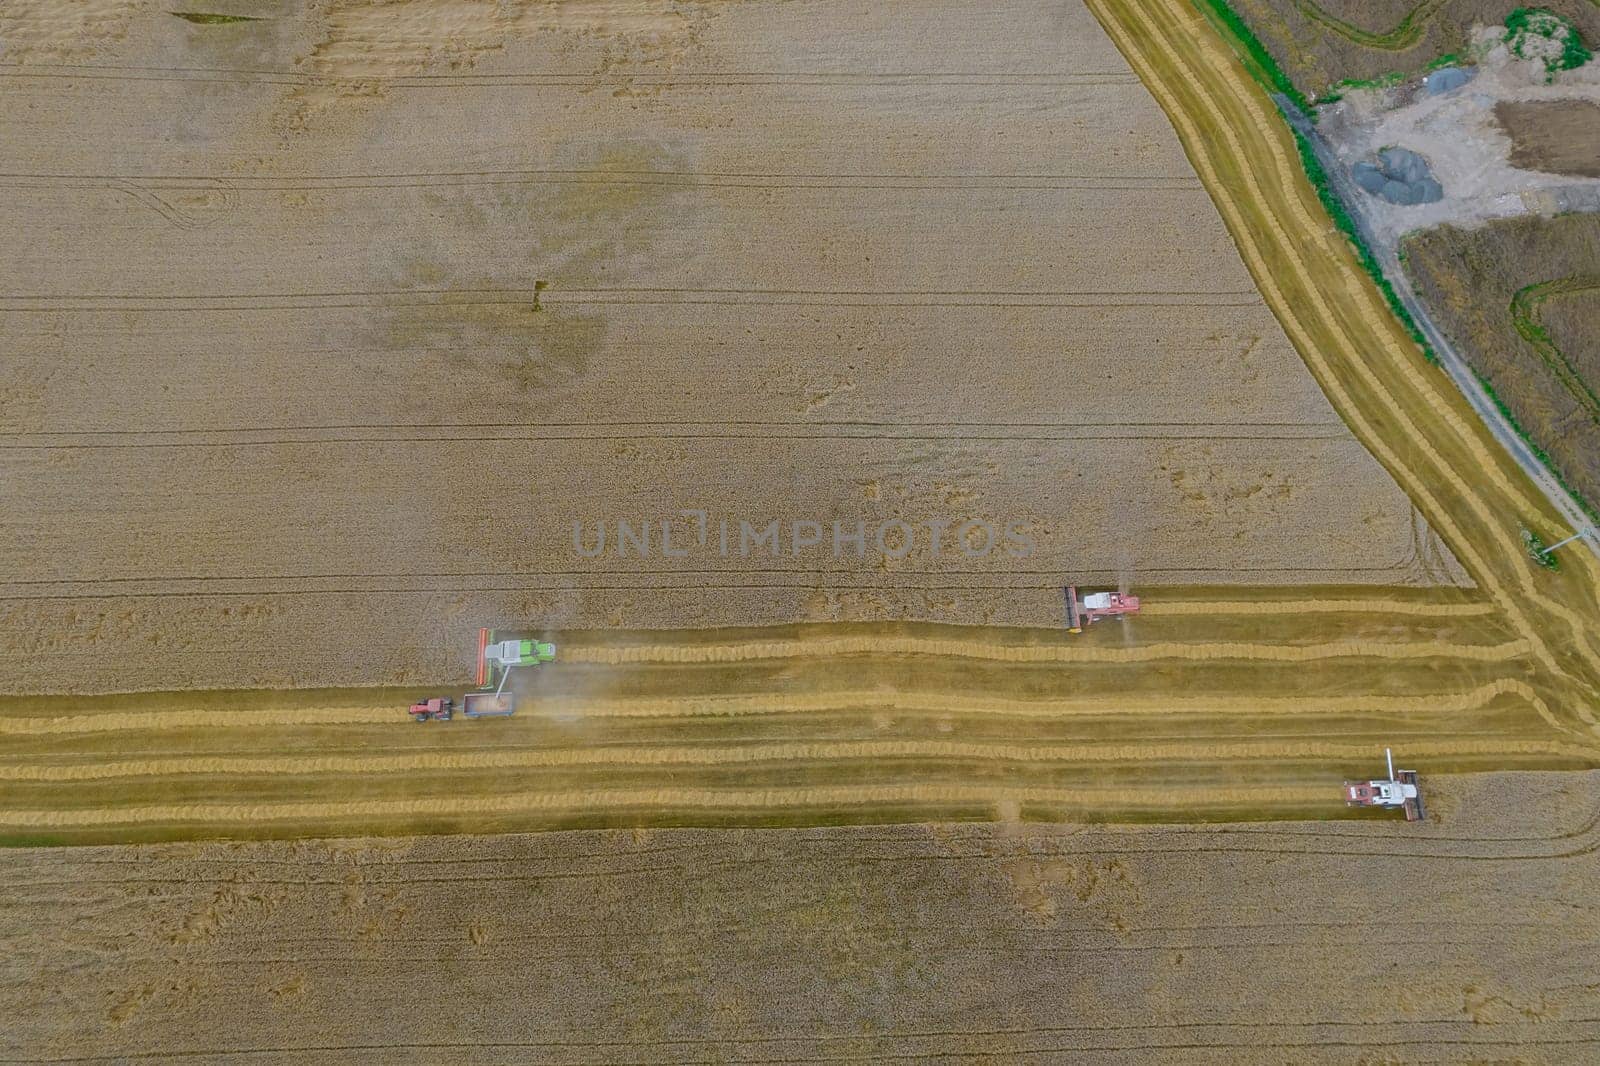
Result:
[1467,938]
[329,325]
[1466,143]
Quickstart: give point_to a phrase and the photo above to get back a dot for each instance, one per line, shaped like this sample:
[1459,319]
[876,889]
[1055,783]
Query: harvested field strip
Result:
[1525,307]
[937,796]
[1360,326]
[822,710]
[119,722]
[867,645]
[724,755]
[911,703]
[1406,34]
[780,704]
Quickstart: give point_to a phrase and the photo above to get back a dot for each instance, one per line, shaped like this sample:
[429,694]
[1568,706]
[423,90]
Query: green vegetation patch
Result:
[1525,307]
[202,18]
[1389,80]
[1541,35]
[1536,550]
[1405,35]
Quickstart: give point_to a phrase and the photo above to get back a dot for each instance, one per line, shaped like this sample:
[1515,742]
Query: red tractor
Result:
[438,709]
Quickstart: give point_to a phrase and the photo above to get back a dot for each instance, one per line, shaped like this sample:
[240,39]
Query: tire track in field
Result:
[1359,302]
[1526,306]
[1406,34]
[818,754]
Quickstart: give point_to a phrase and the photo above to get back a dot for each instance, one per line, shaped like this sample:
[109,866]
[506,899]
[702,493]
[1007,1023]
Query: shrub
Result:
[1534,33]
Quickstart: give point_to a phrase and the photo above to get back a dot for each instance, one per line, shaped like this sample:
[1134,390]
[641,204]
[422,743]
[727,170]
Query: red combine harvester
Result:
[1400,790]
[1097,605]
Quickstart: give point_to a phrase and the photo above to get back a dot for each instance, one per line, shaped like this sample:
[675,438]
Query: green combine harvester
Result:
[499,703]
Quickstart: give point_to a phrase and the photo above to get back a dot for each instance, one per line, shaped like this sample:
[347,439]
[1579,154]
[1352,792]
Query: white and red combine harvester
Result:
[1097,605]
[1399,790]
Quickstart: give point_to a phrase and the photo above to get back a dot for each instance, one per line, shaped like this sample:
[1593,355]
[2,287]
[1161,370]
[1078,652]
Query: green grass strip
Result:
[1404,36]
[1525,308]
[1392,78]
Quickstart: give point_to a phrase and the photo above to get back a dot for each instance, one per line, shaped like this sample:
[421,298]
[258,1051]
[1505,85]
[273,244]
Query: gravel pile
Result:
[1400,177]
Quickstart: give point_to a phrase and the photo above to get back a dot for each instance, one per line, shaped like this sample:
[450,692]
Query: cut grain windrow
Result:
[1471,609]
[810,755]
[923,703]
[135,721]
[747,651]
[933,795]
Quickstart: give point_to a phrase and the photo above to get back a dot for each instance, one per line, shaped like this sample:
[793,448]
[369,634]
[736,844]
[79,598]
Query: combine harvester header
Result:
[486,704]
